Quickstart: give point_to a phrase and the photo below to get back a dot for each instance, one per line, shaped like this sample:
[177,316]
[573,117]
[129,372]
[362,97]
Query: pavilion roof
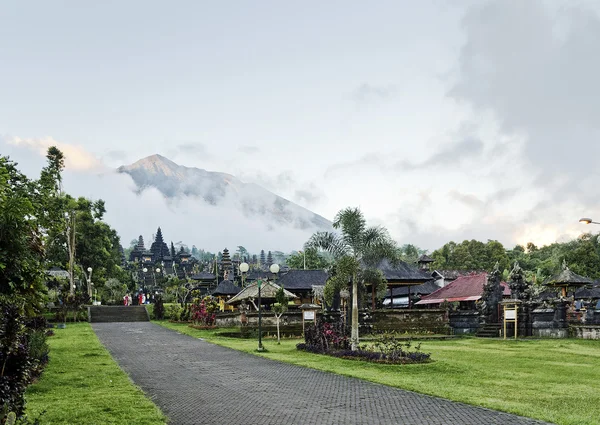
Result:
[423,289]
[226,287]
[425,259]
[585,292]
[203,276]
[567,278]
[303,279]
[57,272]
[402,273]
[268,291]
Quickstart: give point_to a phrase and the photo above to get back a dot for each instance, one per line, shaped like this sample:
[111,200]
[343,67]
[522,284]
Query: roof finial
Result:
[564,265]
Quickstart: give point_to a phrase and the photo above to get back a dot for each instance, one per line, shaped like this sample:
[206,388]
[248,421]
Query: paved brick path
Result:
[195,382]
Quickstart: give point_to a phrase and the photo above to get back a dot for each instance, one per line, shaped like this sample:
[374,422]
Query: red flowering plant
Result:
[204,311]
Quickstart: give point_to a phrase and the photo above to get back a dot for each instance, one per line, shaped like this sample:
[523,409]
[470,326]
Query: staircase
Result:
[489,330]
[119,313]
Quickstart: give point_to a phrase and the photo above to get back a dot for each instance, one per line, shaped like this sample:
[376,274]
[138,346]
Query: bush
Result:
[14,357]
[38,351]
[326,336]
[204,311]
[174,312]
[332,339]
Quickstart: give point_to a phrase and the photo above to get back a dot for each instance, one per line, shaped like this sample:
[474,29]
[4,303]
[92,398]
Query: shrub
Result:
[204,311]
[174,312]
[14,357]
[332,339]
[38,351]
[326,336]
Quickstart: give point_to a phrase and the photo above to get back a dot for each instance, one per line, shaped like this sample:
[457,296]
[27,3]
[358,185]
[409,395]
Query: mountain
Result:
[221,190]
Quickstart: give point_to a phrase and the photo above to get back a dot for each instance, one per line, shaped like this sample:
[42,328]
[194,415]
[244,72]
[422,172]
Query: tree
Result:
[309,257]
[357,248]
[279,308]
[243,252]
[410,253]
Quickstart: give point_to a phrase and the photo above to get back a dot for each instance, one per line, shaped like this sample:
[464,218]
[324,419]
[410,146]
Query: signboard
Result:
[309,315]
[509,315]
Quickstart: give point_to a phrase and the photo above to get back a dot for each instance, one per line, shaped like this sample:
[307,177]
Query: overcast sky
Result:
[477,120]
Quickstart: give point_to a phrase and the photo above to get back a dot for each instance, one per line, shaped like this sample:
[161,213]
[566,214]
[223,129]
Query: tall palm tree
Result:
[356,249]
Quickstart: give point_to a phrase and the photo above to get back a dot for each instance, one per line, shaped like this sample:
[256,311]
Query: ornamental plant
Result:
[204,311]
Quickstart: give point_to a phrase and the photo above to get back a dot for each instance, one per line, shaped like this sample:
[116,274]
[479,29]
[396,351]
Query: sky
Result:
[440,120]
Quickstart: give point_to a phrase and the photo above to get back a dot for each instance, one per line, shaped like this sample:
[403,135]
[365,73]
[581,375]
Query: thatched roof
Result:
[268,291]
[402,273]
[57,272]
[592,293]
[227,287]
[303,279]
[423,289]
[567,278]
[425,259]
[203,276]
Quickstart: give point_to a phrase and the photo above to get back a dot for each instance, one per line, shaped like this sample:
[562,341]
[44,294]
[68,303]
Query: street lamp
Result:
[274,269]
[244,267]
[587,220]
[89,282]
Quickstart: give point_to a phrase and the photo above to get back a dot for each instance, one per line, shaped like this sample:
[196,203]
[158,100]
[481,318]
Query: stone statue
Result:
[492,295]
[517,283]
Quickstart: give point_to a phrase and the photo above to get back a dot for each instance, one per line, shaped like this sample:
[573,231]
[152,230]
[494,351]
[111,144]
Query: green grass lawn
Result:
[82,384]
[552,380]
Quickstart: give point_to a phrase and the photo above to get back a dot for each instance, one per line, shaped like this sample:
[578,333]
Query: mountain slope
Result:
[221,190]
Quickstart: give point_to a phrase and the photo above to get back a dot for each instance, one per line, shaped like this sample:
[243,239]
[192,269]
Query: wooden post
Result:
[504,315]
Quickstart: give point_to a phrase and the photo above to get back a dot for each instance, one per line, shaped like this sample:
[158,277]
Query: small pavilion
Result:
[225,290]
[567,279]
[400,274]
[267,293]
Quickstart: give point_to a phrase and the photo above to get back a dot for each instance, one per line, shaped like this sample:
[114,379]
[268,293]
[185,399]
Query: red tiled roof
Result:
[464,288]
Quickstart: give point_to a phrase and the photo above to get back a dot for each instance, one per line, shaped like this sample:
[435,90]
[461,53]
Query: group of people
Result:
[141,298]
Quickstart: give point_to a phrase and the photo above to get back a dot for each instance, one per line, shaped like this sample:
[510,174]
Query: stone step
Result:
[118,314]
[489,330]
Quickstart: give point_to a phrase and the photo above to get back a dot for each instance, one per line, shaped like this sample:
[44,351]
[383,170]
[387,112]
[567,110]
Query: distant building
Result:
[466,290]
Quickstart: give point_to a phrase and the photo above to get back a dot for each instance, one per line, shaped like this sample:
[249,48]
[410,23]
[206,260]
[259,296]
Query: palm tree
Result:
[357,249]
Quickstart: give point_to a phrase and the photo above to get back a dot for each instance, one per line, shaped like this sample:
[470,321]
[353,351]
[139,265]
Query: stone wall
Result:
[464,321]
[585,332]
[290,323]
[411,321]
[550,322]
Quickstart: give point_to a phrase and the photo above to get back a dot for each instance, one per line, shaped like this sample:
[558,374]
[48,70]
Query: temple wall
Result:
[550,322]
[413,320]
[585,332]
[464,321]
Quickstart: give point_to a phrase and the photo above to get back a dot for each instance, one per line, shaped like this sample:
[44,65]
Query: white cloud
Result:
[76,157]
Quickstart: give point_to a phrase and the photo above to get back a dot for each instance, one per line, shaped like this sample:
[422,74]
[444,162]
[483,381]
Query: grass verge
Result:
[82,384]
[553,380]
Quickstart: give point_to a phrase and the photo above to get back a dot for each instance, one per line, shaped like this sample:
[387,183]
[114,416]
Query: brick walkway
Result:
[195,382]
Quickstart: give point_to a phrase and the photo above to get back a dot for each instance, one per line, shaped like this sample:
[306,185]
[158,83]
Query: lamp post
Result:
[145,270]
[244,267]
[89,282]
[274,269]
[587,220]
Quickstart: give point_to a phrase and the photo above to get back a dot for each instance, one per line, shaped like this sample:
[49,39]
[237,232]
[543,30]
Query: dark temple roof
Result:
[402,273]
[226,287]
[302,279]
[423,289]
[204,276]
